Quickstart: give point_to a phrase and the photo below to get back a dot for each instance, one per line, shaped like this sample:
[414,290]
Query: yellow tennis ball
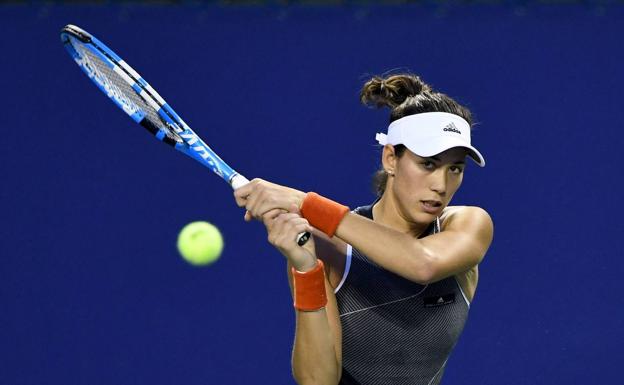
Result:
[200,243]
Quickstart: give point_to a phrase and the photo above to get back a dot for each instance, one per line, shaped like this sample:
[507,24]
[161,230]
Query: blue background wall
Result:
[92,290]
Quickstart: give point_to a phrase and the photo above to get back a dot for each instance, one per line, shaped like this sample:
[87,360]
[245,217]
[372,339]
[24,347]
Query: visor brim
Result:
[436,146]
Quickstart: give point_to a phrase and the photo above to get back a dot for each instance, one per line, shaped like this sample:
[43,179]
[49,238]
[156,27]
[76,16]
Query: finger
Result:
[274,227]
[291,218]
[304,231]
[310,246]
[250,204]
[301,227]
[271,238]
[240,200]
[288,237]
[304,227]
[290,226]
[296,220]
[271,214]
[281,224]
[294,209]
[256,204]
[248,217]
[244,191]
[268,219]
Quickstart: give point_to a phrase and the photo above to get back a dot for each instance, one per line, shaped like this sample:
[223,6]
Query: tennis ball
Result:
[200,243]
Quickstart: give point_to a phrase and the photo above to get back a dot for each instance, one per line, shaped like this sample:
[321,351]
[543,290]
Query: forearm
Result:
[314,358]
[394,251]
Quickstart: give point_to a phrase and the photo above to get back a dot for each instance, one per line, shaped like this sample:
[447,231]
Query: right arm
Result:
[317,348]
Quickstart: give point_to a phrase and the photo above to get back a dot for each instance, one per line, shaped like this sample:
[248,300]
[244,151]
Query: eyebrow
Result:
[438,159]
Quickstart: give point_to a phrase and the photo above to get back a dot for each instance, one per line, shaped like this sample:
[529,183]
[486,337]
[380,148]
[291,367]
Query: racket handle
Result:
[302,238]
[238,181]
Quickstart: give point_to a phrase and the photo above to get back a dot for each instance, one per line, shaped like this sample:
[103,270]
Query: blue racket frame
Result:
[191,144]
[183,139]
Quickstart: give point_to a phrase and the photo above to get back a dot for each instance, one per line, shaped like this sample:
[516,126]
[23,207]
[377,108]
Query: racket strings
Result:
[118,88]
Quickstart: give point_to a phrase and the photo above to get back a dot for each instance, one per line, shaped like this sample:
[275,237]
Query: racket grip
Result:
[302,238]
[238,181]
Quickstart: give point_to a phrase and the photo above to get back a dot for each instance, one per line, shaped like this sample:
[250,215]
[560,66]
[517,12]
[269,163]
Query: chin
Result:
[424,218]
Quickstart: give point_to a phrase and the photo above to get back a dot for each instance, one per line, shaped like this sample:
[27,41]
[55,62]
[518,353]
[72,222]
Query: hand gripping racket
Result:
[128,90]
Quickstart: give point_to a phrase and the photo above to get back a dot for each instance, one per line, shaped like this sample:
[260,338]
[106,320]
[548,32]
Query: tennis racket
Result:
[130,92]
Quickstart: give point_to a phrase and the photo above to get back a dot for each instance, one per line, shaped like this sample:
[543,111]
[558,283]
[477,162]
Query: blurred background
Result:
[92,290]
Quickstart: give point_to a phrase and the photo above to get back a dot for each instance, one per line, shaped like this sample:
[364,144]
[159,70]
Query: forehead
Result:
[452,155]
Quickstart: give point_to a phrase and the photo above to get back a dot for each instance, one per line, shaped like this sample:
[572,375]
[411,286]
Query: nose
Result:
[439,181]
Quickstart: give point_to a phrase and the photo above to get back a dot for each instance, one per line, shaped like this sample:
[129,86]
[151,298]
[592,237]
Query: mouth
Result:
[431,206]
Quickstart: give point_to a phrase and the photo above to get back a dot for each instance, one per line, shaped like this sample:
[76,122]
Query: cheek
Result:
[455,183]
[409,182]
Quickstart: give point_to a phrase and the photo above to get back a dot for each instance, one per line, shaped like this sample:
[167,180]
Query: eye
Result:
[429,165]
[456,169]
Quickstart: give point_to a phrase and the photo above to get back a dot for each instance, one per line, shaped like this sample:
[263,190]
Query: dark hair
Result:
[405,94]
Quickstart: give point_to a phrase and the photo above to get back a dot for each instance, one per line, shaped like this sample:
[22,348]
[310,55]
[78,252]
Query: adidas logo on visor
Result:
[452,128]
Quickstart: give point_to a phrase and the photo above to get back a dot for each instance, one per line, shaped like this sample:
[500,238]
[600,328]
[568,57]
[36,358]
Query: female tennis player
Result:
[382,292]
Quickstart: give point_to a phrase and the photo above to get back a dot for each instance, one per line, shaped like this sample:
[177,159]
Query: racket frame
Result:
[181,136]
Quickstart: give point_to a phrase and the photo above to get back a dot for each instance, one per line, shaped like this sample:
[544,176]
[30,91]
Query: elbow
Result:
[314,380]
[425,270]
[424,278]
[315,376]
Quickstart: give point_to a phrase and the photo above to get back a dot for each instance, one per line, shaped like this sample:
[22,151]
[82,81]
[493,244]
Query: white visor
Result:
[430,133]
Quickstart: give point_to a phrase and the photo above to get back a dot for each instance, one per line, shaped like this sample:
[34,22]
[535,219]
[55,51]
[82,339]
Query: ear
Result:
[389,159]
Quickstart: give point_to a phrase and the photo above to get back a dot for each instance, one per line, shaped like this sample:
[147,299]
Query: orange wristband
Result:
[323,213]
[309,288]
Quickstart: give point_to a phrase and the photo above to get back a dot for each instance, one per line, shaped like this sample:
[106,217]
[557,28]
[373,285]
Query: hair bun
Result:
[392,91]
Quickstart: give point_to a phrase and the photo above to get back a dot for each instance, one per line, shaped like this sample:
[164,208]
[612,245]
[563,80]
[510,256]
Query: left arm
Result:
[467,235]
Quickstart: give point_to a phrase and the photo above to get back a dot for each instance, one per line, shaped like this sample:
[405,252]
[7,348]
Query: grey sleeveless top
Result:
[395,331]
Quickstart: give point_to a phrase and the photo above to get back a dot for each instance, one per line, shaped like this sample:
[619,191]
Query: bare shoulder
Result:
[332,252]
[467,217]
[471,223]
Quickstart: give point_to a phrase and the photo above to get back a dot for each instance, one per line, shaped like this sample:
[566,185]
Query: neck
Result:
[387,212]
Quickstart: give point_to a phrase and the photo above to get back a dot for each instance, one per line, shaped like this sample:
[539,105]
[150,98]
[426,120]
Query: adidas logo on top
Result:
[452,128]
